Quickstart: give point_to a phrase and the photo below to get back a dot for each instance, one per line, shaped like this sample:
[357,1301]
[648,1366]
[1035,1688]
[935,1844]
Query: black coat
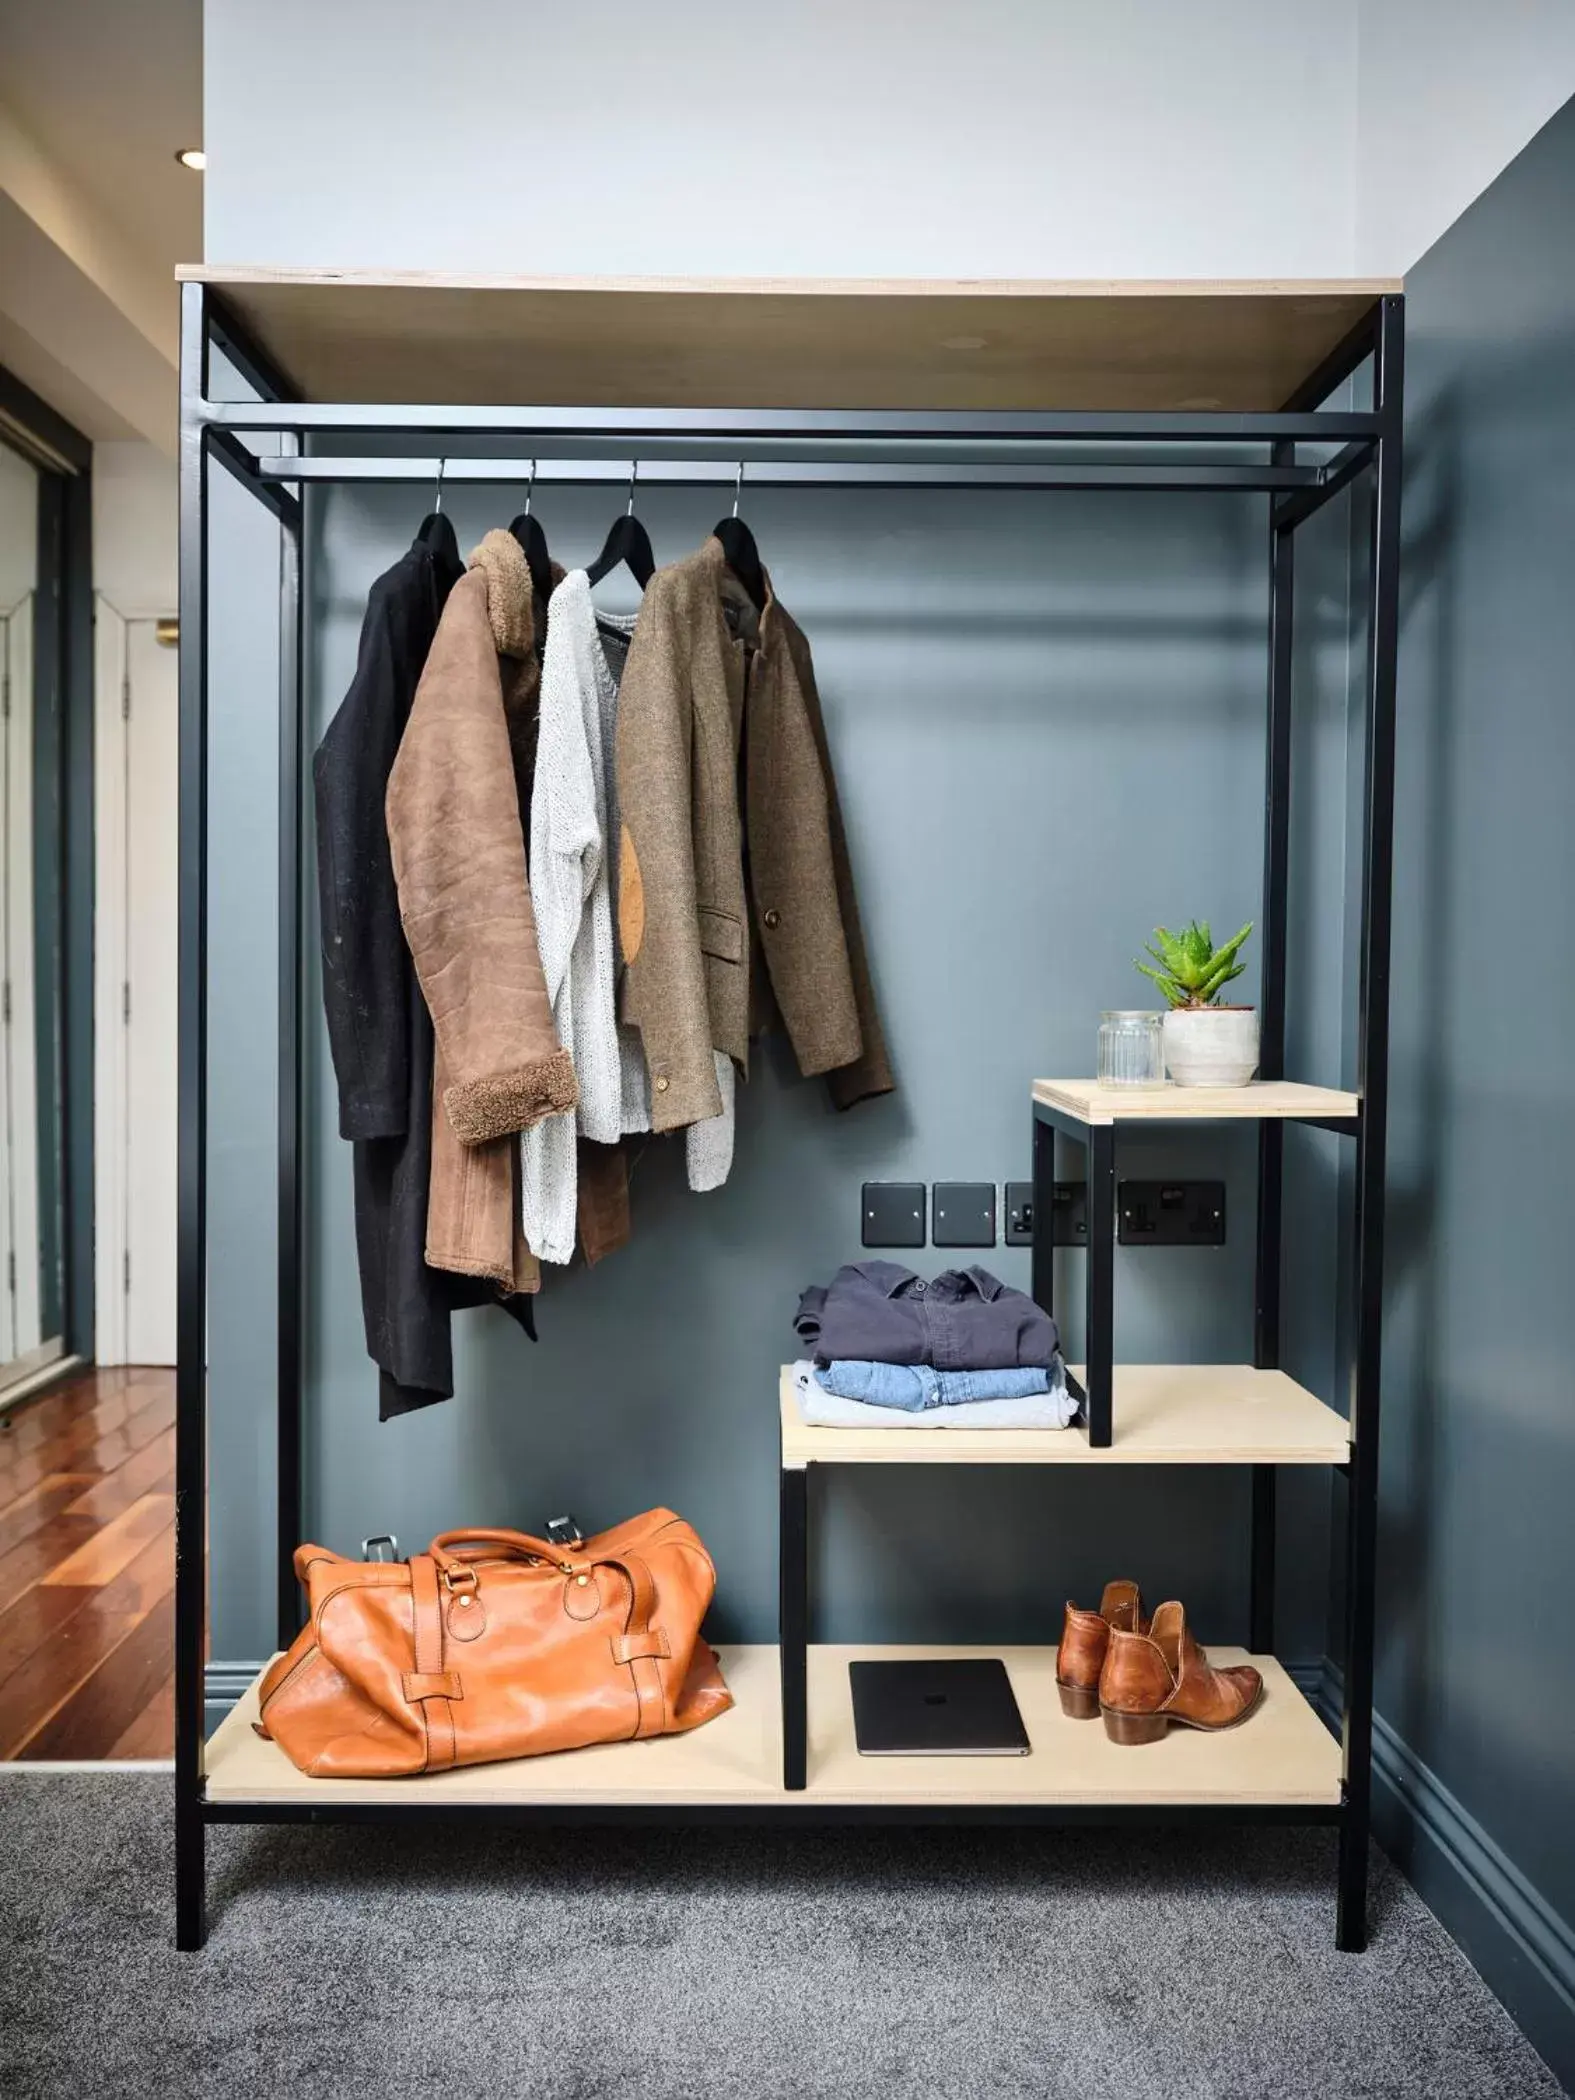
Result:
[379,1030]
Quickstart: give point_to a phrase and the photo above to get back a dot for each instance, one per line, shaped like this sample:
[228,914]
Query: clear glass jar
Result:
[1131,1049]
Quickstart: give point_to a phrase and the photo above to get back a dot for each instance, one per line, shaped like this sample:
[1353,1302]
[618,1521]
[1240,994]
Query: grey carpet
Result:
[596,1965]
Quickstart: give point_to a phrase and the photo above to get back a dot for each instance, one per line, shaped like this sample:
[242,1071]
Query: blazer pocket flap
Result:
[721,935]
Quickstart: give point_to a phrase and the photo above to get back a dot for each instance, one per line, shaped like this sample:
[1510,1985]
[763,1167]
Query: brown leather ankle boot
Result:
[1152,1679]
[1085,1635]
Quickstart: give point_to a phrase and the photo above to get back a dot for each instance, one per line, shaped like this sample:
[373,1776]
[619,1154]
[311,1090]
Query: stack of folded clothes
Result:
[963,1352]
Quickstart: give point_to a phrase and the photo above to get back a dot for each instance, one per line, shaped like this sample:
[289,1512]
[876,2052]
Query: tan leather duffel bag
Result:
[494,1644]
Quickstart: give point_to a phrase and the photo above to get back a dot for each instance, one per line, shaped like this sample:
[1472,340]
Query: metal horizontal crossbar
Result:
[233,455]
[796,1813]
[1333,476]
[856,426]
[1147,476]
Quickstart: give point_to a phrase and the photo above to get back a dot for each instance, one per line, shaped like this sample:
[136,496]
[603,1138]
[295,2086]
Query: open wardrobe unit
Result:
[1159,389]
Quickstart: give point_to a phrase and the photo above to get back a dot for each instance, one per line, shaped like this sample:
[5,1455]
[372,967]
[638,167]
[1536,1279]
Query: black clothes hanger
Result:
[738,544]
[628,542]
[436,531]
[533,545]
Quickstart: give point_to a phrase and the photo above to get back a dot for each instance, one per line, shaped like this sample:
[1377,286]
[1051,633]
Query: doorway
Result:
[138,750]
[46,1222]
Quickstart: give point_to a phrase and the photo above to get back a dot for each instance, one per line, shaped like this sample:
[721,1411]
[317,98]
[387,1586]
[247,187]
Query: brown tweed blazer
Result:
[689,925]
[458,844]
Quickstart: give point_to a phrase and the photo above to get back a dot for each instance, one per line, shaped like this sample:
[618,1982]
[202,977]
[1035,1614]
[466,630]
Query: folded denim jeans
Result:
[915,1387]
[821,1409]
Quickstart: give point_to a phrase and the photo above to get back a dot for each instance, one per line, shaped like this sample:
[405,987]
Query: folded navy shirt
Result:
[966,1320]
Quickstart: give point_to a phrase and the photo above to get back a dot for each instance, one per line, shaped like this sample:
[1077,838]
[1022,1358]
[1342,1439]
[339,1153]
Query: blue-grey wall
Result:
[1048,717]
[1476,1673]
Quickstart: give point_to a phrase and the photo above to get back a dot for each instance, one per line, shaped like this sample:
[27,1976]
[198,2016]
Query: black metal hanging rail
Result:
[1151,476]
[846,426]
[1266,458]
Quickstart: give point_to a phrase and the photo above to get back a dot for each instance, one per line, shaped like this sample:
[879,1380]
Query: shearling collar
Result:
[502,561]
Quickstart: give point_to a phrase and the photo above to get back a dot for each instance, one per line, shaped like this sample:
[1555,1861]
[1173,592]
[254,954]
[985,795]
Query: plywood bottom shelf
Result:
[1164,1415]
[1283,1755]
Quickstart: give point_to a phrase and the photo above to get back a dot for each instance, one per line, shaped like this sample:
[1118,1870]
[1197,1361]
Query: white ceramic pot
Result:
[1211,1045]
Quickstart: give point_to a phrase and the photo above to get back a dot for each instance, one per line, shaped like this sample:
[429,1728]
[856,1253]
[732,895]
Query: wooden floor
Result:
[87,1569]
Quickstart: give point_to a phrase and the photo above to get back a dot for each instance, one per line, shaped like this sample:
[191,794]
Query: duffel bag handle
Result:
[642,1586]
[442,1548]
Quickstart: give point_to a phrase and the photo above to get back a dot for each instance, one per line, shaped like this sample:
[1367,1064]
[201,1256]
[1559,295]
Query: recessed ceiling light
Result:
[192,157]
[963,342]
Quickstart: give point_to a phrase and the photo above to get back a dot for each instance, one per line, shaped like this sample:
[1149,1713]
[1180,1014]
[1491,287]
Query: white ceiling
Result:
[110,89]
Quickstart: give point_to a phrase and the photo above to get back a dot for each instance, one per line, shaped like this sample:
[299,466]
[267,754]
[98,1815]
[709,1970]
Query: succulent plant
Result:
[1192,971]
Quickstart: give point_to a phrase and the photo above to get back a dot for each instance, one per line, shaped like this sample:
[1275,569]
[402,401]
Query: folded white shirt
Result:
[823,1410]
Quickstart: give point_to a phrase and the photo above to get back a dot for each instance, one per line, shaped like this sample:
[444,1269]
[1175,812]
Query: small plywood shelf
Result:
[1283,1754]
[1266,1100]
[1164,1415]
[848,343]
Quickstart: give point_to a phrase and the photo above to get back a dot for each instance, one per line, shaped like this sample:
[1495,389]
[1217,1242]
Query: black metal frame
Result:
[788,448]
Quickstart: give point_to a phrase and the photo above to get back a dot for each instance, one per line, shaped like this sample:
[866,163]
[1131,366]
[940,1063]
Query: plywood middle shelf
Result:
[1164,1415]
[1282,1754]
[1266,1100]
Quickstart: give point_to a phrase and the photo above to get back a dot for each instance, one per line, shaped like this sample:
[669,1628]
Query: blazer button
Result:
[773,921]
[661,1083]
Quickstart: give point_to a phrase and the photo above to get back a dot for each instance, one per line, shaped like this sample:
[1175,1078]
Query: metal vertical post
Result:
[1373,1079]
[1100,1283]
[290,1193]
[1265,1518]
[191,1377]
[1042,1256]
[1271,1053]
[793,1576]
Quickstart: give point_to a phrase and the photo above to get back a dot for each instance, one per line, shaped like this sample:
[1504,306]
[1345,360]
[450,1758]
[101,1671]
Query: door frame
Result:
[63,690]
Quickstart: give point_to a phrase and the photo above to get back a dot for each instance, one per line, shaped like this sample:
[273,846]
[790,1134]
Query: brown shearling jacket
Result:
[458,847]
[686,910]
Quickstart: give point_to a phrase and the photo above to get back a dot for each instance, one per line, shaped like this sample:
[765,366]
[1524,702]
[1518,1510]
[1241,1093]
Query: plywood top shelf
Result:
[1163,1414]
[1266,1100]
[848,343]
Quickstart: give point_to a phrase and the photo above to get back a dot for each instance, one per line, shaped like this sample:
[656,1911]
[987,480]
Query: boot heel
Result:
[1077,1702]
[1133,1728]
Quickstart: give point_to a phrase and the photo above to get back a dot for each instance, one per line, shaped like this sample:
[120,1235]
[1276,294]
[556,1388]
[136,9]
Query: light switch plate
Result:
[962,1214]
[892,1214]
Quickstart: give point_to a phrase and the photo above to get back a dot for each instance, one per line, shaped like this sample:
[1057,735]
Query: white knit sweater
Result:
[572,872]
[572,895]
